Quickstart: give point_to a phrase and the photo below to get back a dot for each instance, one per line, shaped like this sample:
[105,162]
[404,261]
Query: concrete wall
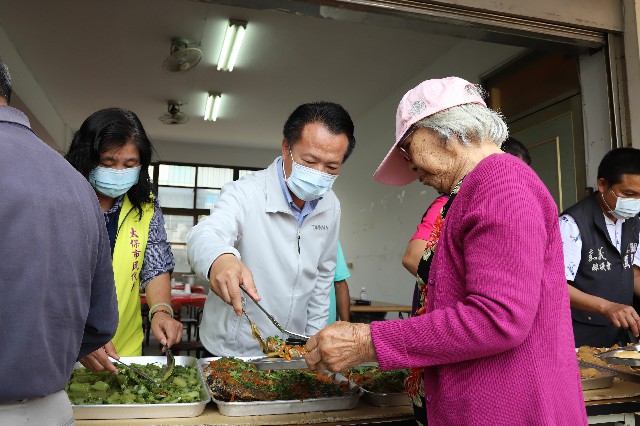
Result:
[218,155]
[377,220]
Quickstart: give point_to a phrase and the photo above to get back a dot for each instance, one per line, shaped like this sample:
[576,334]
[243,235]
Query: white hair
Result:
[468,123]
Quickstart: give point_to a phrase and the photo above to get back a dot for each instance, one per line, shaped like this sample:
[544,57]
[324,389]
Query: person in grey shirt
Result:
[57,294]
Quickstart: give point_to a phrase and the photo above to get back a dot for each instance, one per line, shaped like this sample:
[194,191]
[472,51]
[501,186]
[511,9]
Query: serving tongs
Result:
[301,337]
[134,369]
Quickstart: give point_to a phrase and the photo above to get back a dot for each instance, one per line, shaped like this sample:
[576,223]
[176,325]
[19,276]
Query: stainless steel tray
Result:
[610,356]
[386,399]
[604,381]
[266,363]
[147,411]
[383,399]
[259,408]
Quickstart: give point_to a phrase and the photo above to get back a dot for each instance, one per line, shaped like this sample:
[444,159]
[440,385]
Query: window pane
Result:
[242,172]
[176,175]
[176,197]
[177,227]
[206,198]
[180,256]
[214,177]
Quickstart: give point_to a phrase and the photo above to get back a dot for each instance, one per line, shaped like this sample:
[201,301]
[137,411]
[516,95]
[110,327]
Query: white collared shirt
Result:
[572,243]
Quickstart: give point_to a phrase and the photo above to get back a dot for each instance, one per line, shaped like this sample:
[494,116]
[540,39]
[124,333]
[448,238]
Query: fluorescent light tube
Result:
[231,44]
[212,106]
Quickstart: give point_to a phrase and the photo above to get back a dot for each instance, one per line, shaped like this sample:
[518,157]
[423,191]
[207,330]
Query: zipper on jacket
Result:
[298,240]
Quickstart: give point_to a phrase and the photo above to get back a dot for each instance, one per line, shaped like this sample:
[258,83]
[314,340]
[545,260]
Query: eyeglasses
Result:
[404,151]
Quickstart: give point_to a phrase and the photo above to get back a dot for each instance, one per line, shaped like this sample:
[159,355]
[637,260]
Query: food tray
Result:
[266,363]
[383,399]
[147,411]
[386,399]
[609,356]
[259,408]
[604,381]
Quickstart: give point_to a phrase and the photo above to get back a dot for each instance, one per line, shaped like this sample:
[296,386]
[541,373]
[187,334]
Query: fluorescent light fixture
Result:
[231,44]
[212,106]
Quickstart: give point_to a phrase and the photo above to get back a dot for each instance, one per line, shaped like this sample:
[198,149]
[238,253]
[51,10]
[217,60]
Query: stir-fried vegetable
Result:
[373,379]
[89,387]
[232,379]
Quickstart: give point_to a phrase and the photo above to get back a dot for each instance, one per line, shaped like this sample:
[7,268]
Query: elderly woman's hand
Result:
[340,346]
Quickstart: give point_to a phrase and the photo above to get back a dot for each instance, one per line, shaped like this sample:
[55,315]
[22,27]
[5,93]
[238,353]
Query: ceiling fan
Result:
[173,114]
[182,56]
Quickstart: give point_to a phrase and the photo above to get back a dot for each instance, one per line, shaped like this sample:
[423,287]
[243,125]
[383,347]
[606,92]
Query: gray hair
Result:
[468,123]
[5,81]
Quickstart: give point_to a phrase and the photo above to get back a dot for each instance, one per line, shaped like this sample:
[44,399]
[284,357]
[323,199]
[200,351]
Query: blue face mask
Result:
[111,182]
[306,183]
[626,208]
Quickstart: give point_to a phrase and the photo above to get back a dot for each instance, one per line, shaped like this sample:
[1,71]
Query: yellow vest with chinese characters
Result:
[128,255]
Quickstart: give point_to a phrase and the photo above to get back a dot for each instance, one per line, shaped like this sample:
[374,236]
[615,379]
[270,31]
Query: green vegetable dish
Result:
[233,380]
[87,387]
[373,379]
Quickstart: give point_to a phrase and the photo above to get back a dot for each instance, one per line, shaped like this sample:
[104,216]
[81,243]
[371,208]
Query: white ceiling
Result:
[92,54]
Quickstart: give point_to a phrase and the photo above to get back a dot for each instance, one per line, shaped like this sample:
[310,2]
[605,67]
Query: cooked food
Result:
[278,348]
[373,379]
[589,373]
[233,380]
[627,354]
[255,333]
[94,388]
[587,354]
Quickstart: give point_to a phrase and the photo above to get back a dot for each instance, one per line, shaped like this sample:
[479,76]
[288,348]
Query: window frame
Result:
[193,212]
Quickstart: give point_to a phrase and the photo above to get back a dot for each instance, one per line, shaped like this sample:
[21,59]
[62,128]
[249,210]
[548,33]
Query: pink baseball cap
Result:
[425,99]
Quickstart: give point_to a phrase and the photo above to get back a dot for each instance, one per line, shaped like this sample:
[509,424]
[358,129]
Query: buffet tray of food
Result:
[590,355]
[239,388]
[380,388]
[594,376]
[624,355]
[102,395]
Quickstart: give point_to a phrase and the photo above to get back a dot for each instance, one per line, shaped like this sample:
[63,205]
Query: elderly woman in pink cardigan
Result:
[495,340]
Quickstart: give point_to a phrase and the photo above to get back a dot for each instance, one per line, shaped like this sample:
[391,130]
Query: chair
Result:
[188,347]
[146,324]
[192,321]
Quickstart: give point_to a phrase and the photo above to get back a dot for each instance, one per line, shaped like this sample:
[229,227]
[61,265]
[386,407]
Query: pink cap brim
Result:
[395,170]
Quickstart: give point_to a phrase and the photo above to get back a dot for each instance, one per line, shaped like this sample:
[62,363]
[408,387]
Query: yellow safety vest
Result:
[128,255]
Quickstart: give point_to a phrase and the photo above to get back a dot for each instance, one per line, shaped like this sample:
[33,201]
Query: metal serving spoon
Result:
[134,369]
[171,362]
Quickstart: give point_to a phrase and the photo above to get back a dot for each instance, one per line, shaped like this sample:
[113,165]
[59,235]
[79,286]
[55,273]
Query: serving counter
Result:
[616,404]
[364,413]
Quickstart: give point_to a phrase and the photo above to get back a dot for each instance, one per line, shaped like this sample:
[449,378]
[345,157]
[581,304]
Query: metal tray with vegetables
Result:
[381,388]
[127,395]
[239,388]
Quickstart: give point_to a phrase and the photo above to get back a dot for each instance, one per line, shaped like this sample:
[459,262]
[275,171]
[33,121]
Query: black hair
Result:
[515,147]
[5,81]
[333,116]
[108,129]
[617,162]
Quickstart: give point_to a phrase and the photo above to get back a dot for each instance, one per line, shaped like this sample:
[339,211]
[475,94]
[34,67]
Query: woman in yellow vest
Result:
[112,151]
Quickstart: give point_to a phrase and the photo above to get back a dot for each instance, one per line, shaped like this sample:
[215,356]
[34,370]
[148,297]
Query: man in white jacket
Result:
[276,233]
